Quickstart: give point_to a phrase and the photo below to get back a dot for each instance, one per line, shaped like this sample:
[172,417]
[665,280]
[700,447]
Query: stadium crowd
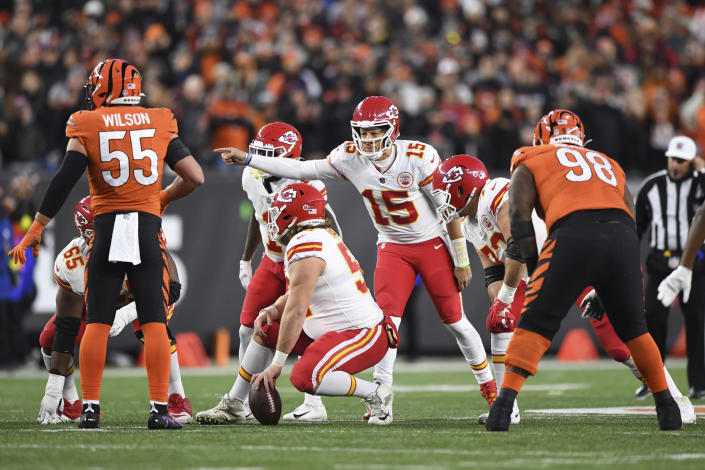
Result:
[469,76]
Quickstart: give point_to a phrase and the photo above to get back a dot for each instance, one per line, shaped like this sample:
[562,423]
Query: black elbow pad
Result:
[513,251]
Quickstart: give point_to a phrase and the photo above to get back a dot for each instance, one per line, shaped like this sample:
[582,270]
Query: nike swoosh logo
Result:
[297,416]
[437,247]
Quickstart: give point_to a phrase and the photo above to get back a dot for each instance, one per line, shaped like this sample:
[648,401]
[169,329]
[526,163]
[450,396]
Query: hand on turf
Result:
[52,404]
[268,376]
[245,273]
[500,318]
[231,155]
[592,307]
[679,280]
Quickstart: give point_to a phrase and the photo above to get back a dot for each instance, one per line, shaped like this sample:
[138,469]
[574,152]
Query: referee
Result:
[665,207]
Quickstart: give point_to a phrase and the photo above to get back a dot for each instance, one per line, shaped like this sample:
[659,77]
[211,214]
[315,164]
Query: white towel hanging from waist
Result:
[125,244]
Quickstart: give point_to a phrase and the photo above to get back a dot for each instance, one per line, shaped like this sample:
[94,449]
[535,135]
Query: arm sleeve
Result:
[175,151]
[294,169]
[71,169]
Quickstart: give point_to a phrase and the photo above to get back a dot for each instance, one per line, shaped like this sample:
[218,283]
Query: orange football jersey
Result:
[570,179]
[126,147]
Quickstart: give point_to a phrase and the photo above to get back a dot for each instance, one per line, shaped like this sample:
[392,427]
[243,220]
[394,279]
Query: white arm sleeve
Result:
[294,169]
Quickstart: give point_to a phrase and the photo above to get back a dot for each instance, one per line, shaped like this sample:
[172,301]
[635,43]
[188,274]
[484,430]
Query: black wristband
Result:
[71,169]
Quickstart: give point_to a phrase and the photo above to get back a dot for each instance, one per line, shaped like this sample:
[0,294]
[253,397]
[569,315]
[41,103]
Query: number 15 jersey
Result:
[395,198]
[570,178]
[126,146]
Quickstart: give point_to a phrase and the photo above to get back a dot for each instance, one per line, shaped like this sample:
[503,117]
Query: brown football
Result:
[265,406]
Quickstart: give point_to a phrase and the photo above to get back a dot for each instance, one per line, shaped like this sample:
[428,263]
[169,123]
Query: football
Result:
[265,406]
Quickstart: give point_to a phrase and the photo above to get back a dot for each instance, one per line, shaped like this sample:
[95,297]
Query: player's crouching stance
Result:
[328,316]
[65,329]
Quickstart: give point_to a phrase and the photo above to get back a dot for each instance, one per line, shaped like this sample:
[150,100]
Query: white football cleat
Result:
[516,418]
[687,410]
[380,404]
[308,413]
[226,412]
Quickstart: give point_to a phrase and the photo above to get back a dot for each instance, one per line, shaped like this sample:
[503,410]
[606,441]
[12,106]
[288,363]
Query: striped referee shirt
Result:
[665,208]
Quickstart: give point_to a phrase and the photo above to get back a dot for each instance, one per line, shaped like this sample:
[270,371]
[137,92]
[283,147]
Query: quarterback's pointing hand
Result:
[232,155]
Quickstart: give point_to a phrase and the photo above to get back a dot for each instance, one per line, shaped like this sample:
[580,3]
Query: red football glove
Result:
[31,238]
[500,318]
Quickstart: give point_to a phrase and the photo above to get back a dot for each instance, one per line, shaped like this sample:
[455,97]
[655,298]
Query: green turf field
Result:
[435,413]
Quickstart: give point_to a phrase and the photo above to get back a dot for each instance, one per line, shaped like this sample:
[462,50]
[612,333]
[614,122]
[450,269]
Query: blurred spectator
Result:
[7,281]
[633,70]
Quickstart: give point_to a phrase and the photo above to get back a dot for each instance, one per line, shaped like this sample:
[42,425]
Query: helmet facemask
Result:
[276,232]
[385,140]
[445,209]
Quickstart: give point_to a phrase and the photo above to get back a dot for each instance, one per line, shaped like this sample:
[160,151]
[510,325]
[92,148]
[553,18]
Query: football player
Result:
[276,140]
[595,233]
[327,316]
[61,402]
[394,178]
[467,192]
[123,146]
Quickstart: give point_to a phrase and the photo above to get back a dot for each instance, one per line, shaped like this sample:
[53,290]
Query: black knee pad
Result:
[66,332]
[172,338]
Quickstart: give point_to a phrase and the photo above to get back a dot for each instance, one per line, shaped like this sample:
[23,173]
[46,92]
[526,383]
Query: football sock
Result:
[629,363]
[675,393]
[312,400]
[92,358]
[255,360]
[175,385]
[513,381]
[384,369]
[157,359]
[648,360]
[498,346]
[609,340]
[525,350]
[245,334]
[339,383]
[470,345]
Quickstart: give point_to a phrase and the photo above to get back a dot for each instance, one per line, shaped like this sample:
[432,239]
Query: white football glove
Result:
[679,280]
[245,273]
[592,307]
[123,317]
[52,403]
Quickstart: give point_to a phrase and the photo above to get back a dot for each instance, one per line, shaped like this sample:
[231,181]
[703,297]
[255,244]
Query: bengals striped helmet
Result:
[113,81]
[560,126]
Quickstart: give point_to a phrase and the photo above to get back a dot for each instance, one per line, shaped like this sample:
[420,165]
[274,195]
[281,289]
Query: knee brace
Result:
[66,332]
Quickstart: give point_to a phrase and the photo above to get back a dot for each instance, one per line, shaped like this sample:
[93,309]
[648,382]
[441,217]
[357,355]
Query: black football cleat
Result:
[90,417]
[669,416]
[159,421]
[500,417]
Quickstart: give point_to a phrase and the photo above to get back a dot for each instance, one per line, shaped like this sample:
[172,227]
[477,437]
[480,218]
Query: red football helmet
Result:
[457,180]
[83,218]
[560,126]
[295,204]
[277,139]
[113,81]
[375,111]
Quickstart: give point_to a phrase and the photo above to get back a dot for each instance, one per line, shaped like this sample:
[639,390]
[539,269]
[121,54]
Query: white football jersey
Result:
[253,182]
[70,268]
[401,210]
[483,231]
[341,300]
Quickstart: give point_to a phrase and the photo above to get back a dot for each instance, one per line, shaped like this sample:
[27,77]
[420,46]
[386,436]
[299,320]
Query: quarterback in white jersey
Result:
[394,178]
[327,316]
[65,329]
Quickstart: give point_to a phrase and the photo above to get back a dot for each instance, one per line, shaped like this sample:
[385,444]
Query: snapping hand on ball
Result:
[268,376]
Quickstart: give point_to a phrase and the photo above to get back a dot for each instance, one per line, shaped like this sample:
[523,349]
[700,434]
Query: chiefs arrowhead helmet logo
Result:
[289,138]
[453,175]
[287,196]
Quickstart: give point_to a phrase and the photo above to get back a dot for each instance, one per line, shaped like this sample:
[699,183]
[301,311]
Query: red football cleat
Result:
[72,411]
[489,391]
[180,408]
